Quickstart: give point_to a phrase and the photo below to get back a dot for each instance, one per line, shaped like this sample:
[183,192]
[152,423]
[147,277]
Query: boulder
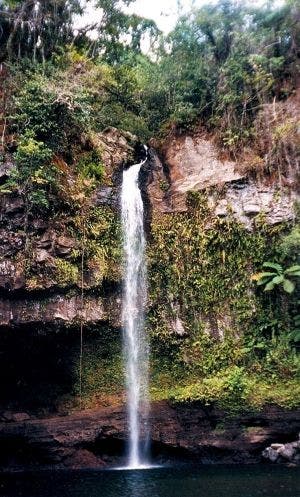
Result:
[277,452]
[270,454]
[287,451]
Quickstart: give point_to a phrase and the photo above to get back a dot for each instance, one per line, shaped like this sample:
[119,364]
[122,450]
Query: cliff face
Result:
[210,225]
[60,270]
[183,164]
[41,271]
[192,163]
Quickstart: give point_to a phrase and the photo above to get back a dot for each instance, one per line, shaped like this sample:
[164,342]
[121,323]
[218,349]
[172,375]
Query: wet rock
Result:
[189,429]
[106,195]
[64,245]
[287,452]
[156,187]
[83,458]
[12,275]
[58,309]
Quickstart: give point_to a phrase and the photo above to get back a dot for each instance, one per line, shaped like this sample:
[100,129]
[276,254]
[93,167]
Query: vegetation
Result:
[228,69]
[279,276]
[200,270]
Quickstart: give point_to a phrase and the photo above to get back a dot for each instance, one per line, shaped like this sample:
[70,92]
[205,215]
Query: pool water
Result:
[176,481]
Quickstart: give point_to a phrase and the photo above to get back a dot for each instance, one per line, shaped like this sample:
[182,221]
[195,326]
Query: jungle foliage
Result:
[219,65]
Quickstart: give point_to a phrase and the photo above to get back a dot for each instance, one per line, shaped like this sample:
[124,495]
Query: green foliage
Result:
[199,269]
[90,166]
[289,248]
[102,240]
[220,65]
[102,369]
[235,391]
[52,115]
[34,174]
[35,31]
[279,276]
[66,274]
[229,388]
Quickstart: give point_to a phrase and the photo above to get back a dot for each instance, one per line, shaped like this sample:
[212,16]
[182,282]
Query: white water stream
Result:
[135,341]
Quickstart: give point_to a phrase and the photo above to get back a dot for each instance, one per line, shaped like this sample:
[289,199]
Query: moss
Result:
[102,368]
[234,390]
[66,274]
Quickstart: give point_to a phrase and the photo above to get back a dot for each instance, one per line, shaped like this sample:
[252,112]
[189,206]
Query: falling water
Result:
[135,341]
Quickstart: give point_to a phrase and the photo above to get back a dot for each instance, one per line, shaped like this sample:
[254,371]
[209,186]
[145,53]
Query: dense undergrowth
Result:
[229,69]
[223,340]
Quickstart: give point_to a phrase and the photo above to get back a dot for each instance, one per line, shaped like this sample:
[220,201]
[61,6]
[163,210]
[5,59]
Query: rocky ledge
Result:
[94,438]
[60,310]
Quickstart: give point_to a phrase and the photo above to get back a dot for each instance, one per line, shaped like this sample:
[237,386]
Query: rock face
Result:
[86,439]
[117,148]
[191,163]
[42,257]
[59,310]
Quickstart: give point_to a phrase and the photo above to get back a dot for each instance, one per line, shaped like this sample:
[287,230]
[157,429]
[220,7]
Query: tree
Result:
[34,29]
[120,32]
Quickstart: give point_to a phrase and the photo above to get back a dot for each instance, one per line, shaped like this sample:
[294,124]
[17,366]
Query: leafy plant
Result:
[34,173]
[278,277]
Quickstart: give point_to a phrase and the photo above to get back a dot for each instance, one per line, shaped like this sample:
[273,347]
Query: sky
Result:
[163,12]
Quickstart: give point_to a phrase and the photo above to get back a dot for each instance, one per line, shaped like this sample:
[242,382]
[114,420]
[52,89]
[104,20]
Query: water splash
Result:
[136,348]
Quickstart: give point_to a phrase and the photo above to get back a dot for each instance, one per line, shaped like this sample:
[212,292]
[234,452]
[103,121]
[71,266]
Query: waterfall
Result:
[135,292]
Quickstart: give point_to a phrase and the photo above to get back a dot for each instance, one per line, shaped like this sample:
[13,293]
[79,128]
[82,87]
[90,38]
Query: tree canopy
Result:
[218,67]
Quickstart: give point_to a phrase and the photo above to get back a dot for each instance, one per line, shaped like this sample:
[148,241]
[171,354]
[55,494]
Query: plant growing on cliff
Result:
[34,174]
[277,277]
